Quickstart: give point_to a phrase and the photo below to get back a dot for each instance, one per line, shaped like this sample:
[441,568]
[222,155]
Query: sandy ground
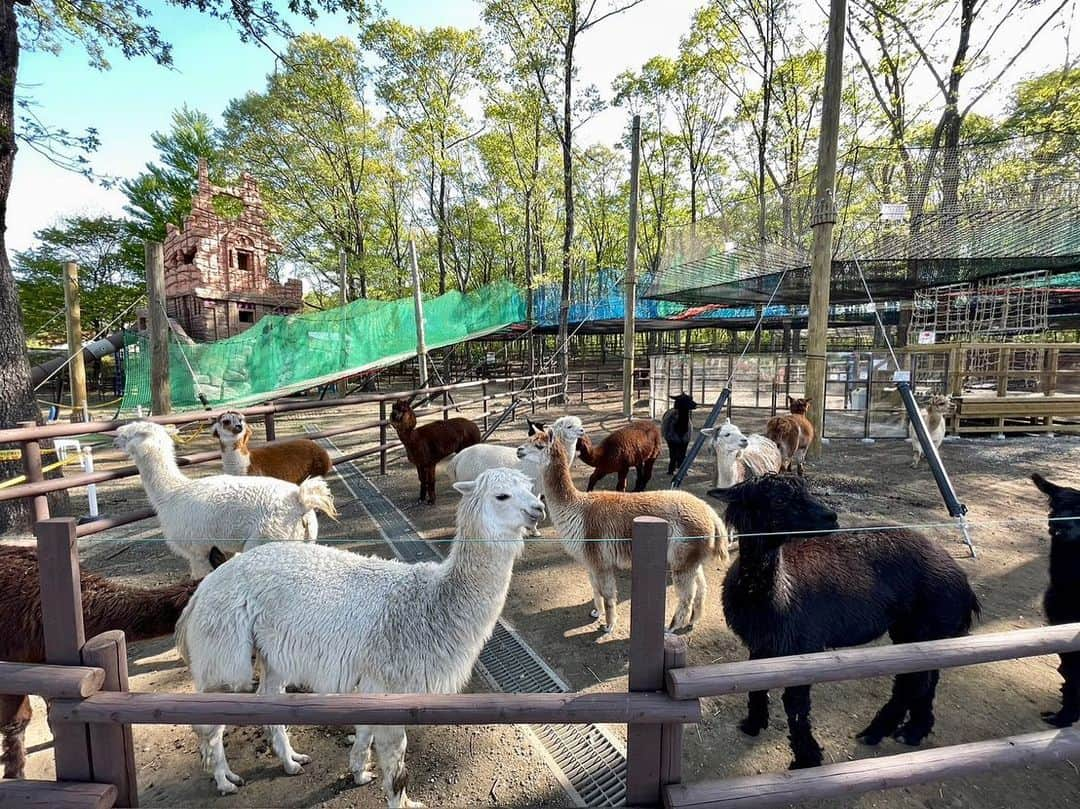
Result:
[549,602]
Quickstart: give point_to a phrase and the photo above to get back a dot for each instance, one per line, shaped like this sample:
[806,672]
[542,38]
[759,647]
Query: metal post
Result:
[382,437]
[869,387]
[62,623]
[418,307]
[824,218]
[76,366]
[631,271]
[112,751]
[160,390]
[648,580]
[31,458]
[484,397]
[270,427]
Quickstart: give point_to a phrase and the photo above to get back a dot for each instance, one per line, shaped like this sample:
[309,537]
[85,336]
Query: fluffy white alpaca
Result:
[235,512]
[740,457]
[934,414]
[334,622]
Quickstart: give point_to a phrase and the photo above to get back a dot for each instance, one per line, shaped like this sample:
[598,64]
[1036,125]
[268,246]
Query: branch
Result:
[915,43]
[586,23]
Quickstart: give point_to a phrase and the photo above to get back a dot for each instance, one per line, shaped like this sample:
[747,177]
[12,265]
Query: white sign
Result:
[490,358]
[927,338]
[893,211]
[901,376]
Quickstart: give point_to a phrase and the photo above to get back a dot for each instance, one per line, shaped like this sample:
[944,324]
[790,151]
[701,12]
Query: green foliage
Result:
[110,273]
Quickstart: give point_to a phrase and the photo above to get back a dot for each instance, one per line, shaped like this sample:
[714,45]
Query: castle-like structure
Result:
[216,278]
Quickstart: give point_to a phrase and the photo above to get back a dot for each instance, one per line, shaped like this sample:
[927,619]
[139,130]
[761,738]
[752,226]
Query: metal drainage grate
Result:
[590,764]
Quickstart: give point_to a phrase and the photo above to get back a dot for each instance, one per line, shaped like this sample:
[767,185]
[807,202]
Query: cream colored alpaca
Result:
[934,414]
[696,531]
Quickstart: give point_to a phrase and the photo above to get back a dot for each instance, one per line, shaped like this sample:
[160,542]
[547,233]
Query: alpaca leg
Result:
[610,596]
[271,683]
[423,484]
[921,721]
[360,762]
[620,486]
[594,478]
[801,735]
[199,561]
[757,712]
[892,713]
[598,599]
[1070,692]
[431,486]
[212,749]
[685,582]
[644,475]
[700,592]
[390,744]
[15,715]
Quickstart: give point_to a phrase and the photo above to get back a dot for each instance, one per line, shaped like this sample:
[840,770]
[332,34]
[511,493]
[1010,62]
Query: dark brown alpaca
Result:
[635,445]
[140,612]
[428,444]
[792,433]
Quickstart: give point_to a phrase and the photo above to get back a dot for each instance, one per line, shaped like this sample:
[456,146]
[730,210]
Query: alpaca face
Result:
[774,504]
[537,449]
[569,428]
[138,436]
[1064,504]
[684,402]
[229,427]
[402,415]
[940,404]
[799,406]
[505,500]
[727,438]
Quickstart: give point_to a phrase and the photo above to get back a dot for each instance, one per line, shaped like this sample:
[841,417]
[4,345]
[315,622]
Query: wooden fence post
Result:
[671,735]
[382,437]
[648,585]
[62,621]
[271,428]
[31,457]
[112,751]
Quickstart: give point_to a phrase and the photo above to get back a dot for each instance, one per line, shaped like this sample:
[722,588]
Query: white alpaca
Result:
[335,622]
[933,415]
[472,461]
[235,512]
[740,457]
[595,529]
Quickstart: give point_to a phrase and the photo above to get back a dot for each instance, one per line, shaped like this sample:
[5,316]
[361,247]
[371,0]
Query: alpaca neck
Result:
[141,613]
[159,473]
[761,566]
[235,461]
[1064,557]
[933,420]
[588,453]
[558,482]
[682,421]
[729,470]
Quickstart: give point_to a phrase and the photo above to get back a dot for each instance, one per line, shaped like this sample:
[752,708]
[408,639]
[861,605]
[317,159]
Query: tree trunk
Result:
[440,229]
[568,200]
[528,257]
[16,394]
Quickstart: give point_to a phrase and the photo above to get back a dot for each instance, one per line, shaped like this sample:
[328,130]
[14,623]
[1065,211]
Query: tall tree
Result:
[543,38]
[97,27]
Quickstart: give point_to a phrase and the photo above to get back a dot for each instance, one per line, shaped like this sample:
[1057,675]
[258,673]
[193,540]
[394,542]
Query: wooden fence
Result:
[92,711]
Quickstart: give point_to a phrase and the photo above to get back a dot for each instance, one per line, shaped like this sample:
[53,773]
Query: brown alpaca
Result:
[295,460]
[140,612]
[637,445]
[428,444]
[607,519]
[792,433]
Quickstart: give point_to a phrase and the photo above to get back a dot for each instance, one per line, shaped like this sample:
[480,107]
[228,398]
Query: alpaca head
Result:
[502,501]
[726,439]
[798,406]
[940,403]
[568,428]
[231,429]
[402,416]
[142,438]
[684,403]
[1064,509]
[774,504]
[543,448]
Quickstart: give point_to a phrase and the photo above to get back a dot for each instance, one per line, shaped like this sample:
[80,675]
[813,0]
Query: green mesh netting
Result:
[282,355]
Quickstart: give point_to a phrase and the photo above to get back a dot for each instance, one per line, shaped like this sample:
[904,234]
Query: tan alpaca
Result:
[696,532]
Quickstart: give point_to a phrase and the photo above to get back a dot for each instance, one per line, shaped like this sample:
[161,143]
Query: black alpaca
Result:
[1062,599]
[787,595]
[677,430]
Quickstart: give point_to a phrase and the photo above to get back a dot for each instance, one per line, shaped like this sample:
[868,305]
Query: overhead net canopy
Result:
[598,298]
[282,355]
[910,219]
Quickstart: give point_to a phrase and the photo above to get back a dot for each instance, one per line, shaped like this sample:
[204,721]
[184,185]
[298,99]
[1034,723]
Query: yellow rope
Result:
[69,407]
[73,458]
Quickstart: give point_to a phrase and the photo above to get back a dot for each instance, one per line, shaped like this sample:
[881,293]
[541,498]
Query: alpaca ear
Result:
[465,486]
[214,430]
[1045,486]
[723,495]
[171,430]
[673,398]
[217,558]
[727,421]
[709,431]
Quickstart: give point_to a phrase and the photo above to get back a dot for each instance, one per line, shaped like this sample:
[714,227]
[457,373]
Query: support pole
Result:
[418,305]
[112,751]
[823,221]
[76,369]
[631,272]
[160,392]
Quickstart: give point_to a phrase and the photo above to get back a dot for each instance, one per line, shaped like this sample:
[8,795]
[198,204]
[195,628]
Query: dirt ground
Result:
[549,605]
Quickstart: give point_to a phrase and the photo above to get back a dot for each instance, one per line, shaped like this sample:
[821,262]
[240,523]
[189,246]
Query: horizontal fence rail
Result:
[374,709]
[875,661]
[50,682]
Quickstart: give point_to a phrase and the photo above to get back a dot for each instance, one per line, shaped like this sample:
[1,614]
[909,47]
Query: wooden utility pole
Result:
[823,221]
[160,392]
[76,366]
[418,307]
[631,273]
